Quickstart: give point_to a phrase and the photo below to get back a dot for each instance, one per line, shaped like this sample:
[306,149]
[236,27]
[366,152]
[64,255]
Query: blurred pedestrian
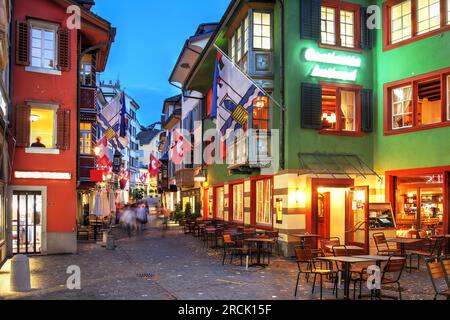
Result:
[128,219]
[141,217]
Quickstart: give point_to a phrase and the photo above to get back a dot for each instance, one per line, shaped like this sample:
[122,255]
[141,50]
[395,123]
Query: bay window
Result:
[412,20]
[338,24]
[238,202]
[263,202]
[418,102]
[239,45]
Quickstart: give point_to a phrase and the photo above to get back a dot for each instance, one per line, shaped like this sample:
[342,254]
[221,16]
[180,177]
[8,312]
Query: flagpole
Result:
[250,79]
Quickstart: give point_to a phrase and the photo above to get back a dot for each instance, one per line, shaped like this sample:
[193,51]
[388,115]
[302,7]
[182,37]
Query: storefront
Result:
[193,197]
[420,199]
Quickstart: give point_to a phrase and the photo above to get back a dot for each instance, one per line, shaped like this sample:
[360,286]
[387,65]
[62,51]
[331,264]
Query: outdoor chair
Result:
[327,244]
[275,235]
[391,274]
[305,256]
[233,248]
[382,245]
[432,249]
[439,276]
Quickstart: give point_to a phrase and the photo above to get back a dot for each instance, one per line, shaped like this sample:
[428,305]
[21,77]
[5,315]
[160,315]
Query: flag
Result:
[153,166]
[233,96]
[103,160]
[143,177]
[111,120]
[124,176]
[180,147]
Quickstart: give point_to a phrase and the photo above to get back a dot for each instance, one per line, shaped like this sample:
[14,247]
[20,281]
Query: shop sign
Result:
[331,58]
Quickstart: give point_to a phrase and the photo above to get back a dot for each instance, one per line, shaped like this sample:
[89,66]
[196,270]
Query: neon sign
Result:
[331,58]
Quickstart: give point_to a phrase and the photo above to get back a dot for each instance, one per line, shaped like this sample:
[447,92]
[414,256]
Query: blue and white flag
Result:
[233,96]
[111,121]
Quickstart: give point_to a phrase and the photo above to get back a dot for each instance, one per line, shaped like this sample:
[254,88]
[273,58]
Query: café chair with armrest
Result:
[382,245]
[391,274]
[431,249]
[437,273]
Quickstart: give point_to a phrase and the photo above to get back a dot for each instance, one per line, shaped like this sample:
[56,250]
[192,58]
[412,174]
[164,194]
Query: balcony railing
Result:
[185,178]
[88,97]
[253,149]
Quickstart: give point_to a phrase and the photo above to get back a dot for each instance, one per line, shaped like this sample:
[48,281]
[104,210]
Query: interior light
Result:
[34,118]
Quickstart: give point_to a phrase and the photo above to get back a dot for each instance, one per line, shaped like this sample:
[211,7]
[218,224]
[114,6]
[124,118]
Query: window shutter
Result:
[23,43]
[366,110]
[367,35]
[63,130]
[22,130]
[311,108]
[63,49]
[310,19]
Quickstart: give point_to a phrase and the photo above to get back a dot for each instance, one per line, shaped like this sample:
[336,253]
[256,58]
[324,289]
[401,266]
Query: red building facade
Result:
[46,119]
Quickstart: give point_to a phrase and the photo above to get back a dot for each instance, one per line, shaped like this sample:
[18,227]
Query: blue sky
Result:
[150,36]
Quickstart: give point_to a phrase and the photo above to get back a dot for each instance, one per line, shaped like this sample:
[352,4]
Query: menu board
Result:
[381,216]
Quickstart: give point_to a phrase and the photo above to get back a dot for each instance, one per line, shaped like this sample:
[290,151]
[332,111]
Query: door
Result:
[357,220]
[27,222]
[323,215]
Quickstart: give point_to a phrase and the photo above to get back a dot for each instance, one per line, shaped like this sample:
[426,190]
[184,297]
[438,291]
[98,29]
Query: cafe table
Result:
[303,237]
[352,249]
[259,244]
[346,261]
[404,241]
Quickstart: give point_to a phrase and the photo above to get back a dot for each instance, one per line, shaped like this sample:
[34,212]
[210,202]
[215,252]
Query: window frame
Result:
[345,6]
[46,26]
[386,13]
[252,26]
[82,137]
[345,87]
[232,198]
[253,201]
[442,74]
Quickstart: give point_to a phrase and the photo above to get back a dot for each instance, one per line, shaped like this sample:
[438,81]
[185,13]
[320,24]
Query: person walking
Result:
[141,217]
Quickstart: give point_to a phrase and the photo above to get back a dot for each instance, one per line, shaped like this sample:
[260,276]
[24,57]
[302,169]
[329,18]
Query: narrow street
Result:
[179,267]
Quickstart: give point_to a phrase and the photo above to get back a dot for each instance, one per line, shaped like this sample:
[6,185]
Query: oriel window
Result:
[262,30]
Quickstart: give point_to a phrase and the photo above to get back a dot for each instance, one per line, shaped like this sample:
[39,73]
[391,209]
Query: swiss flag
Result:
[179,148]
[103,160]
[153,166]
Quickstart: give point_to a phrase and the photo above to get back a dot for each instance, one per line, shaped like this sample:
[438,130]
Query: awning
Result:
[334,164]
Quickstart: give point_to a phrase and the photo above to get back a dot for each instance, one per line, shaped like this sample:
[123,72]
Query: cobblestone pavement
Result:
[179,267]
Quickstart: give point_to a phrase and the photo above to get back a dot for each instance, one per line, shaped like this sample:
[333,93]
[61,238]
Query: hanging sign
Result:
[331,58]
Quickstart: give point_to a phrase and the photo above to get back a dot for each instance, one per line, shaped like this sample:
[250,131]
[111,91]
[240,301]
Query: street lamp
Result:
[200,177]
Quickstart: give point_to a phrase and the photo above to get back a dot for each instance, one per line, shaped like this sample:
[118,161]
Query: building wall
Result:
[61,210]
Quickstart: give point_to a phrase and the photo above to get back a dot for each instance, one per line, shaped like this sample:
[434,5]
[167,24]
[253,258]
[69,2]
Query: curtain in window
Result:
[348,109]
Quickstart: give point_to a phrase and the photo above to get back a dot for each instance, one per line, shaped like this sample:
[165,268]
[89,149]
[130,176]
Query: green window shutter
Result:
[366,110]
[310,19]
[311,106]
[367,35]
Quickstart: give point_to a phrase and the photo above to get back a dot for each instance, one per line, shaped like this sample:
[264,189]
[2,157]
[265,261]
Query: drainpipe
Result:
[282,88]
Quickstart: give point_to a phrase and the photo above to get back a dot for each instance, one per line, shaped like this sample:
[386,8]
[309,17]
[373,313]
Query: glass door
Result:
[357,226]
[27,222]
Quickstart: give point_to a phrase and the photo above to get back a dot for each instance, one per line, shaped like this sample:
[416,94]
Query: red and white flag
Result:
[143,178]
[153,166]
[103,161]
[180,147]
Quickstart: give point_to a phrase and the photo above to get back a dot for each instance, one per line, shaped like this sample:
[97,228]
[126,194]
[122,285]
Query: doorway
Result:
[26,222]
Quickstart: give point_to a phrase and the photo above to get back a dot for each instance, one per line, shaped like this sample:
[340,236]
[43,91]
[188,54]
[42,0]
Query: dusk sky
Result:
[150,36]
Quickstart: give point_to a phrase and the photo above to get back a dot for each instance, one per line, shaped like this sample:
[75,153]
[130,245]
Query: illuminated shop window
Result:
[347,29]
[219,203]
[428,15]
[262,33]
[238,202]
[401,21]
[402,109]
[42,128]
[328,25]
[263,196]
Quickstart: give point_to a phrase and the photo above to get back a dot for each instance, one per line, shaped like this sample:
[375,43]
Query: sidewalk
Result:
[177,266]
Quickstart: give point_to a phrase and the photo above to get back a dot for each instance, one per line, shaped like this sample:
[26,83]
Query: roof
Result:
[146,136]
[334,164]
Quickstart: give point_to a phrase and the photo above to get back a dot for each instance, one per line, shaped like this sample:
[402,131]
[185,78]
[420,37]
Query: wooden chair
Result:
[437,273]
[306,256]
[382,245]
[233,248]
[327,243]
[446,265]
[392,272]
[431,250]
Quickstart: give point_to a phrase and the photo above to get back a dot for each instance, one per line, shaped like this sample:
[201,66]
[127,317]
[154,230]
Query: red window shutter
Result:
[63,131]
[64,49]
[23,43]
[22,129]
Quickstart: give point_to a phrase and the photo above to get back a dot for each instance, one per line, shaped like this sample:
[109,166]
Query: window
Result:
[418,102]
[219,203]
[2,215]
[42,128]
[262,31]
[402,107]
[428,15]
[261,113]
[246,31]
[85,138]
[263,202]
[448,11]
[328,25]
[448,97]
[43,46]
[412,20]
[347,29]
[238,202]
[338,24]
[233,48]
[401,21]
[339,109]
[87,72]
[238,44]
